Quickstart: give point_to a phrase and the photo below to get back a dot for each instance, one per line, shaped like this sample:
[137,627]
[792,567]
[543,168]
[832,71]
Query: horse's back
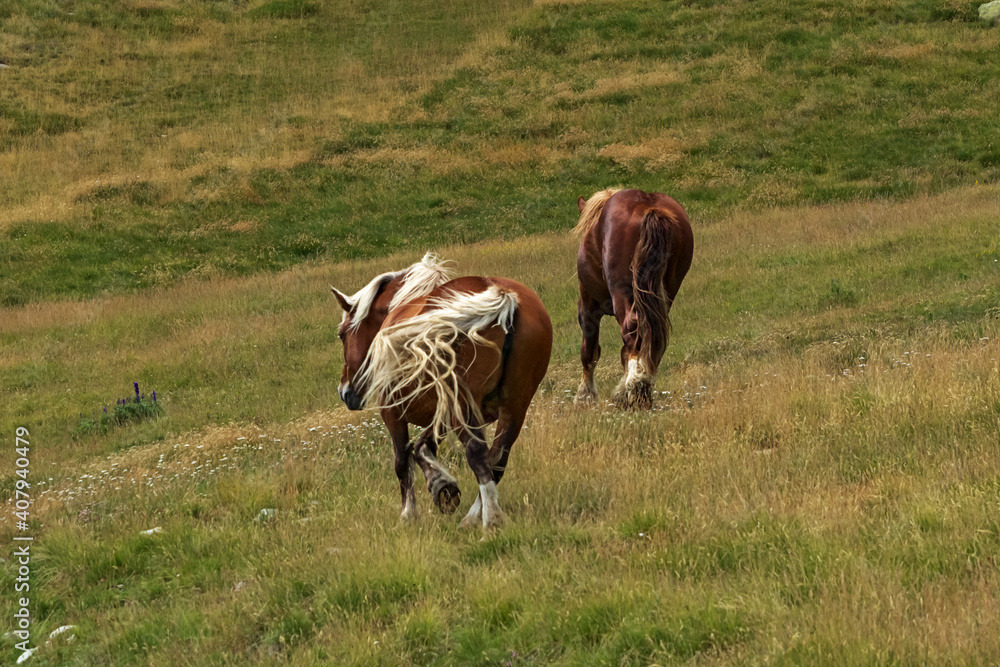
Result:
[625,211]
[434,299]
[604,261]
[529,305]
[532,331]
[483,366]
[527,359]
[531,310]
[681,237]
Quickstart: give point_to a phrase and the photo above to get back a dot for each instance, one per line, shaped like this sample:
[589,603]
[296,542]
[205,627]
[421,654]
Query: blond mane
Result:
[592,211]
[419,279]
[420,355]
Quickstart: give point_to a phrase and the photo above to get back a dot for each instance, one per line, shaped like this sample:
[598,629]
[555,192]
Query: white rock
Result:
[152,531]
[990,12]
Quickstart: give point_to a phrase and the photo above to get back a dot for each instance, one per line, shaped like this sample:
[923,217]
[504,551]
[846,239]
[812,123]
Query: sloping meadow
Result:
[147,141]
[818,481]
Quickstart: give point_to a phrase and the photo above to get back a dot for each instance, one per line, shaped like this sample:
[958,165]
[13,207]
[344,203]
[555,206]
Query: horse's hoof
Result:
[495,520]
[637,397]
[641,396]
[620,400]
[585,397]
[470,522]
[447,496]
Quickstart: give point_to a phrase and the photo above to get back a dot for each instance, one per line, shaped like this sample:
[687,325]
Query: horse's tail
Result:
[649,301]
[420,355]
[592,211]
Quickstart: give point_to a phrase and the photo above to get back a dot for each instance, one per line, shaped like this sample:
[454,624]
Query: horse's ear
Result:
[343,300]
[582,203]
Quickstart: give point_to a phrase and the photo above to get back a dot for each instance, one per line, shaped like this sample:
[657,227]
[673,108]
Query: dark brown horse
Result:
[446,355]
[635,250]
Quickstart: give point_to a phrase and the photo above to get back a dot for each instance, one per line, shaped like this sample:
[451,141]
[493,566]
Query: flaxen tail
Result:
[649,265]
[420,355]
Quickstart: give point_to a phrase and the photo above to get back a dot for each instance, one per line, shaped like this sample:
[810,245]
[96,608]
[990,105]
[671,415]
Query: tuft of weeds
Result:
[126,411]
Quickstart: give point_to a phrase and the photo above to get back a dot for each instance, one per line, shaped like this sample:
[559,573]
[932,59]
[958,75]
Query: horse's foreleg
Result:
[589,315]
[403,453]
[442,486]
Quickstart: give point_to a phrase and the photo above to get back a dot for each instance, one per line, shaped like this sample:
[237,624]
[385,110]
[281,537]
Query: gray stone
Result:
[990,12]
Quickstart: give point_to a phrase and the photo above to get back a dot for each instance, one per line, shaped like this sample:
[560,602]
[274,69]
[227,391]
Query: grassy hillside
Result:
[141,141]
[180,182]
[818,483]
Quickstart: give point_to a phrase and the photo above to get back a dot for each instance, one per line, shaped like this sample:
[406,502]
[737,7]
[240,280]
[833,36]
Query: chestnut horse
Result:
[446,355]
[635,250]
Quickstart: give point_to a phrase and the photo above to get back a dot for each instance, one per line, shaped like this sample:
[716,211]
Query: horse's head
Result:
[363,317]
[365,312]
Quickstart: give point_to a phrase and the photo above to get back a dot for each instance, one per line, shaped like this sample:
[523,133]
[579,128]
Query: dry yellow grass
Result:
[761,443]
[817,483]
[653,154]
[43,178]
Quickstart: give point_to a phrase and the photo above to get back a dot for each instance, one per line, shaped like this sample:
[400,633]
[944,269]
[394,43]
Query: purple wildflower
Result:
[136,385]
[154,396]
[105,409]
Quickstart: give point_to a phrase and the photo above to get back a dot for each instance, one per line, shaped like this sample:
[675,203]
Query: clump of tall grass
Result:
[136,408]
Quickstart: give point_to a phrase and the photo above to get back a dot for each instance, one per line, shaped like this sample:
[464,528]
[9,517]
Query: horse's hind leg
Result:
[636,387]
[478,456]
[508,428]
[442,486]
[589,315]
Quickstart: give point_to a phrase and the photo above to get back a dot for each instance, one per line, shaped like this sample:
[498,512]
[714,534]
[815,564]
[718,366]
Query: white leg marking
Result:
[472,518]
[633,367]
[636,372]
[410,508]
[433,463]
[441,470]
[492,514]
[635,377]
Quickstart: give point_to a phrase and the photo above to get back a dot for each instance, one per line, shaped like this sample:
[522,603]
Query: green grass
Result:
[251,138]
[817,483]
[180,183]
